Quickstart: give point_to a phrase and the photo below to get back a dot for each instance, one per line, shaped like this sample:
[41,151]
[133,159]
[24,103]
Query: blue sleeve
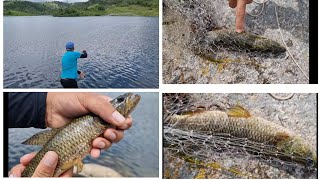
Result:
[26,110]
[77,54]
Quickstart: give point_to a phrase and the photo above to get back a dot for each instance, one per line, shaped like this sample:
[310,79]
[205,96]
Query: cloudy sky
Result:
[69,1]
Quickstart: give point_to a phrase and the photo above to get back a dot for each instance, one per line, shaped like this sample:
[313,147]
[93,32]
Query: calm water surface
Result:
[137,155]
[123,52]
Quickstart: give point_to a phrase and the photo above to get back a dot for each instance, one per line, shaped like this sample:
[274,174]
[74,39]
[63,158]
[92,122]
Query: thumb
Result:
[47,165]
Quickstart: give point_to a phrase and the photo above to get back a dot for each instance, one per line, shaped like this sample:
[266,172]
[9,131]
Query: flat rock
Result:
[96,170]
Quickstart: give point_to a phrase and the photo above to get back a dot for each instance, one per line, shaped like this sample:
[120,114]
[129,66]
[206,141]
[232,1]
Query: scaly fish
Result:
[73,142]
[238,123]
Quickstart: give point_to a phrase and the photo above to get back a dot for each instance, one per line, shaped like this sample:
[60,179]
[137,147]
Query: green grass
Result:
[133,10]
[114,11]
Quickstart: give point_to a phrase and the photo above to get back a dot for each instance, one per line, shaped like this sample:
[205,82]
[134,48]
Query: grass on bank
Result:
[132,10]
[73,11]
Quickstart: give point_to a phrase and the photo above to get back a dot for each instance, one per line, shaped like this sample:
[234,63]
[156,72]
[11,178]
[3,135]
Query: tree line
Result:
[89,8]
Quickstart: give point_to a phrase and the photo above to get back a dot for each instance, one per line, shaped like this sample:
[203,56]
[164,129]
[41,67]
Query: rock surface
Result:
[96,170]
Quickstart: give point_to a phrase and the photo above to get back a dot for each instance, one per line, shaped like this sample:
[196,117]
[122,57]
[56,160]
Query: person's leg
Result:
[233,3]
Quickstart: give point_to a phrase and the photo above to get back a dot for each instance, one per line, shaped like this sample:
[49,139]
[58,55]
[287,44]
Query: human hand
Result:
[240,14]
[82,75]
[45,168]
[62,108]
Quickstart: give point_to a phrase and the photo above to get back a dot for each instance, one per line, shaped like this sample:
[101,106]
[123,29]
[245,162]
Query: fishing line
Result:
[293,59]
[281,98]
[262,8]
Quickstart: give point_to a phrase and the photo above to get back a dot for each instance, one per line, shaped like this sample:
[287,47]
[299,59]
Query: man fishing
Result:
[240,12]
[70,70]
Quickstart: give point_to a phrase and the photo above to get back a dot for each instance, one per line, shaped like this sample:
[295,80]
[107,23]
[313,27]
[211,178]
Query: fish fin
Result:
[67,165]
[76,162]
[41,138]
[238,111]
[79,165]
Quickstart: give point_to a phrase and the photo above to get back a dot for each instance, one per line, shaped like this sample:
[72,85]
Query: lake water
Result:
[123,52]
[136,155]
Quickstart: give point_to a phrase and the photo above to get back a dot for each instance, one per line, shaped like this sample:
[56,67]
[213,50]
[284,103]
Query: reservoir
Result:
[123,51]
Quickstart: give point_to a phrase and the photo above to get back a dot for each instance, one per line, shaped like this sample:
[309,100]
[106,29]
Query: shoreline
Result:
[128,15]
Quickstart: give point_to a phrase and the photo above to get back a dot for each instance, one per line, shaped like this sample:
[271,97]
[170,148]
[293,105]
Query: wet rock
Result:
[96,170]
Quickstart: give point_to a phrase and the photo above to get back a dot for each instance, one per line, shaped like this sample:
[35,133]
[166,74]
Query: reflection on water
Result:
[136,155]
[123,52]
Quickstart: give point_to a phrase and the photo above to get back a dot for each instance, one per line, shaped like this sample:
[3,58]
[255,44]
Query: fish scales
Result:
[73,142]
[219,122]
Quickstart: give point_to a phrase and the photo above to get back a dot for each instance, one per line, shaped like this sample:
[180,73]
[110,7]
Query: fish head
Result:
[312,161]
[126,103]
[301,150]
[311,158]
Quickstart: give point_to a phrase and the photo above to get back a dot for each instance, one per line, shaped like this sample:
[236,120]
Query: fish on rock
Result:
[260,134]
[243,41]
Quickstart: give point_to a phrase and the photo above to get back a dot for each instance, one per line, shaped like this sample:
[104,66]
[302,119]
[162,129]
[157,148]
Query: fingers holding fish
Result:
[45,168]
[111,135]
[47,165]
[61,108]
[114,135]
[101,106]
[25,160]
[101,143]
[95,152]
[127,124]
[16,171]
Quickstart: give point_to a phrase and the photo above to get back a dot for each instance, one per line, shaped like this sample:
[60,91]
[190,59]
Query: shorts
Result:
[69,83]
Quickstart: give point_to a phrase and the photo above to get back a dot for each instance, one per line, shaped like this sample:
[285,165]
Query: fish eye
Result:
[120,99]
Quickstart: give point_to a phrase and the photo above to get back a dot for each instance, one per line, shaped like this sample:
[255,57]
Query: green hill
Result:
[89,8]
